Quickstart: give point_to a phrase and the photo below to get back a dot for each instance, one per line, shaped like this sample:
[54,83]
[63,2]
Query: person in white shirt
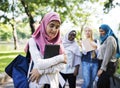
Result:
[71,69]
[45,72]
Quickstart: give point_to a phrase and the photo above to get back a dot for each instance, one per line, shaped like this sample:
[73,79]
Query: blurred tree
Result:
[68,9]
[8,8]
[110,4]
[74,10]
[5,32]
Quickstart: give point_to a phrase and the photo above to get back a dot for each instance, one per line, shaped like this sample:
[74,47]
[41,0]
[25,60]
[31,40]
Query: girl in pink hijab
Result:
[45,71]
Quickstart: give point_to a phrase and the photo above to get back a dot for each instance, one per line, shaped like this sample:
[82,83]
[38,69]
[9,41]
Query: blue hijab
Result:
[109,32]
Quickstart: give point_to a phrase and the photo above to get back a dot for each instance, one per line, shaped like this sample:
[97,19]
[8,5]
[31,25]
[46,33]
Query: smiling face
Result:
[102,32]
[52,29]
[72,35]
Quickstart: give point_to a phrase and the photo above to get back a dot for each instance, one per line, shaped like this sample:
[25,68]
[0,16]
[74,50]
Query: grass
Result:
[6,57]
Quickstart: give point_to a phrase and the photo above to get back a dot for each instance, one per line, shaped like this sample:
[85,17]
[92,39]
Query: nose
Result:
[54,29]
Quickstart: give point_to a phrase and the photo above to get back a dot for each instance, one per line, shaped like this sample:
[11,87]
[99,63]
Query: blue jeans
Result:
[89,72]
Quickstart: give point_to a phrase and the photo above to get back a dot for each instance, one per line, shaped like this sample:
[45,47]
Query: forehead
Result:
[88,29]
[54,22]
[101,30]
[72,32]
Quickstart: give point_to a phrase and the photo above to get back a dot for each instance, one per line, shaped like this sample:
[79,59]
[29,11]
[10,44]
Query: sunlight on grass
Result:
[7,57]
[4,62]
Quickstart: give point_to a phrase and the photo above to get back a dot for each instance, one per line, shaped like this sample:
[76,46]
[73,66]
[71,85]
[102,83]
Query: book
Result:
[51,50]
[87,46]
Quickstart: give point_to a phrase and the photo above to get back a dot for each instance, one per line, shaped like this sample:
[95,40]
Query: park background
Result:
[20,18]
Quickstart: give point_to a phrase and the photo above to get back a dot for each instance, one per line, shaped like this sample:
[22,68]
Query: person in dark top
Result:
[89,59]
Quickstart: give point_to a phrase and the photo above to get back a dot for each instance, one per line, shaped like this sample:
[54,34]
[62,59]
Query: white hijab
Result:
[71,45]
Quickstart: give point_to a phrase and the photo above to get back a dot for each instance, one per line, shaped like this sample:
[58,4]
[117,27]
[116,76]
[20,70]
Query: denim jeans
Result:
[89,72]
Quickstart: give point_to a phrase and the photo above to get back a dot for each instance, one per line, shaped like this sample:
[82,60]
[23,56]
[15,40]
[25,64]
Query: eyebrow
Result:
[54,23]
[72,32]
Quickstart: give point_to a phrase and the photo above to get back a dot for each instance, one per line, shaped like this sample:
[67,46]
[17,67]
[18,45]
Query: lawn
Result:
[6,57]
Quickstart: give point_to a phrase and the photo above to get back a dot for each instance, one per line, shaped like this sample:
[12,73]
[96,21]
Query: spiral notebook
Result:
[51,50]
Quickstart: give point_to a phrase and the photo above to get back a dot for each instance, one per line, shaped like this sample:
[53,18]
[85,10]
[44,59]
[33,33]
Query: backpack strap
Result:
[31,62]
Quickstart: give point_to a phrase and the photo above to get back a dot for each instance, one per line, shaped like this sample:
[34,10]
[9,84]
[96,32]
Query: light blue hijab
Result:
[109,32]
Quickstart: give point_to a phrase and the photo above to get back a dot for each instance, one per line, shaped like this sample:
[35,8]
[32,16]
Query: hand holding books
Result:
[88,45]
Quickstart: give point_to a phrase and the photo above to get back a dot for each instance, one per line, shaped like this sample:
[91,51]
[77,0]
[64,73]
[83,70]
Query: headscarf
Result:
[40,36]
[109,32]
[71,45]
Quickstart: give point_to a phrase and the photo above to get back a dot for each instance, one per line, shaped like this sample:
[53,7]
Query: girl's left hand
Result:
[76,71]
[100,71]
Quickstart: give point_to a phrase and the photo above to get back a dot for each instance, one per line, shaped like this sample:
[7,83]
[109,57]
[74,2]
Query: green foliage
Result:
[23,31]
[78,35]
[21,34]
[109,5]
[4,5]
[5,32]
[118,69]
[77,11]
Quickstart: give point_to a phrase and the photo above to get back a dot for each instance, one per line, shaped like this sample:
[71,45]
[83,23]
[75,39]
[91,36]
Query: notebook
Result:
[87,46]
[51,50]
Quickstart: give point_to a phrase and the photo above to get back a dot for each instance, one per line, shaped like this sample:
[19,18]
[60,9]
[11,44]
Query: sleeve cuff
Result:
[103,68]
[41,72]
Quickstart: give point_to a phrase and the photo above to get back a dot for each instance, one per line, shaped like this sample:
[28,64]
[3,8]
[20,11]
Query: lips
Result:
[52,33]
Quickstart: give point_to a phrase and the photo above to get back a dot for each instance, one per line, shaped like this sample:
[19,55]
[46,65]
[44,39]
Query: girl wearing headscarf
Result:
[72,50]
[45,71]
[107,53]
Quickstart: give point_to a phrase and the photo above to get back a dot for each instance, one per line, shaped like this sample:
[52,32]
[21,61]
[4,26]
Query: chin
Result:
[51,38]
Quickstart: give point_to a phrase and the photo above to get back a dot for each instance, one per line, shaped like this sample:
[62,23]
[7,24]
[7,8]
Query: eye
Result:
[57,27]
[51,25]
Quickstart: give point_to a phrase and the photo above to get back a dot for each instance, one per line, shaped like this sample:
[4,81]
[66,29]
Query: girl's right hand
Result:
[65,58]
[34,75]
[100,71]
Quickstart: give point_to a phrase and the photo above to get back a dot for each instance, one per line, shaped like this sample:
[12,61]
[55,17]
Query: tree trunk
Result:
[82,28]
[31,20]
[13,27]
[15,37]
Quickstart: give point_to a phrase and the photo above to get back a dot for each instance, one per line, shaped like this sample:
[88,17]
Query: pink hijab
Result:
[40,36]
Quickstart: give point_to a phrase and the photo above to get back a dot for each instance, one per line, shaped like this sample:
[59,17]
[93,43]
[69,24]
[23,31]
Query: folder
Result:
[51,50]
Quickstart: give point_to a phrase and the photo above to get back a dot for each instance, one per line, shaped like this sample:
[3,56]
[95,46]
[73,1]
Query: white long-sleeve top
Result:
[72,61]
[48,68]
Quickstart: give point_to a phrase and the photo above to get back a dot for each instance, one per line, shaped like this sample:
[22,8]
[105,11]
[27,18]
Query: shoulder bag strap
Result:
[31,64]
